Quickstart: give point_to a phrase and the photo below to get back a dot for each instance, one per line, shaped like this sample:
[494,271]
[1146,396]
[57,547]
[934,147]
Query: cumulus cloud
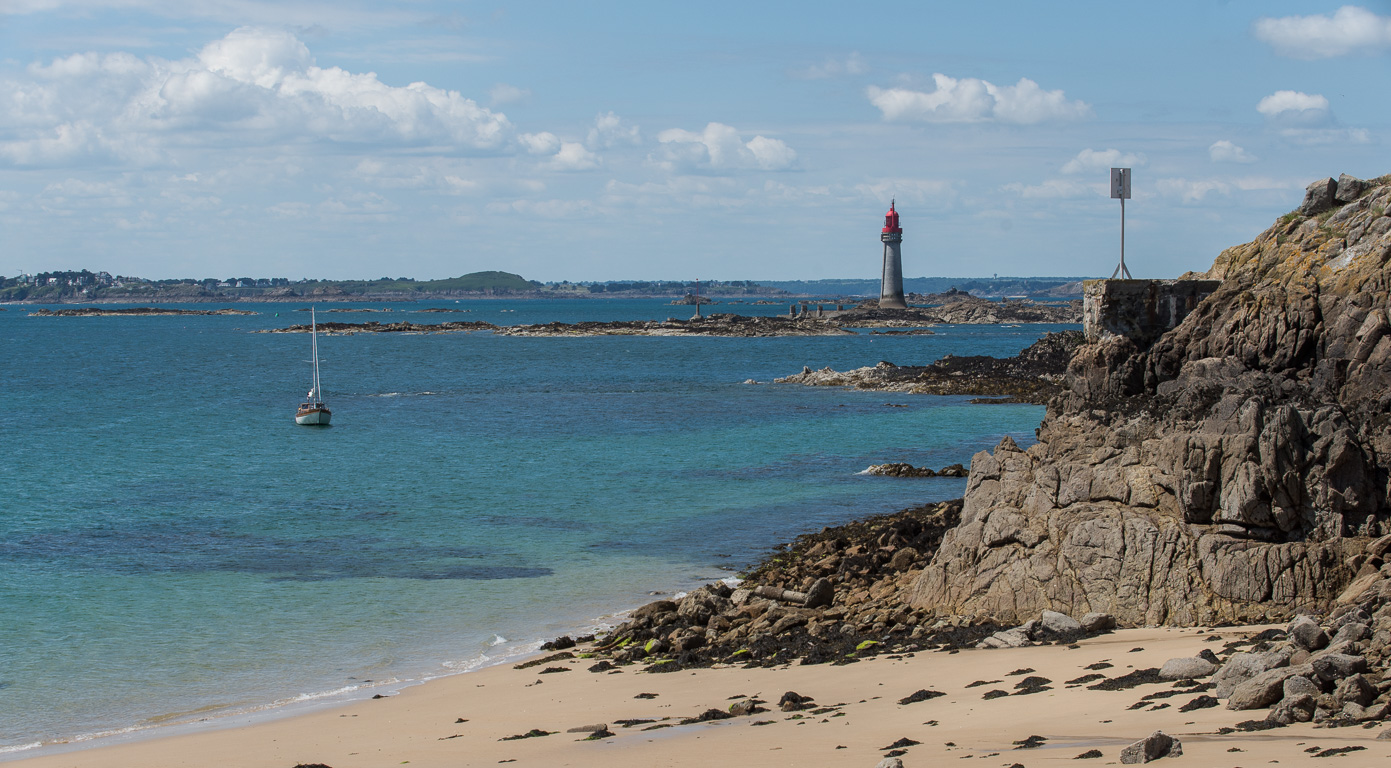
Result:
[720,147]
[572,156]
[543,143]
[1226,152]
[970,100]
[1100,160]
[565,155]
[610,130]
[1349,30]
[254,86]
[1282,102]
[832,67]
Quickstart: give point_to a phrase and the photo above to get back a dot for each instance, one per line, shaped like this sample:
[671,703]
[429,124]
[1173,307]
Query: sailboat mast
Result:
[314,333]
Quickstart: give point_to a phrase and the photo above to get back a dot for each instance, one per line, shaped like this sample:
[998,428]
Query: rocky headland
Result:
[1033,376]
[133,312]
[1234,469]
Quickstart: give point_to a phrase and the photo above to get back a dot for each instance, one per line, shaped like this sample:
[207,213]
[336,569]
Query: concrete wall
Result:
[1139,309]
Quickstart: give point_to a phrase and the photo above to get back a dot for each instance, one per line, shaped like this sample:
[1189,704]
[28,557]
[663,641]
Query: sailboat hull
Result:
[313,417]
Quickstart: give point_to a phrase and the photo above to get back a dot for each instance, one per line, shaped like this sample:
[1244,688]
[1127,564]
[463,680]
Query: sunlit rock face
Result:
[1229,470]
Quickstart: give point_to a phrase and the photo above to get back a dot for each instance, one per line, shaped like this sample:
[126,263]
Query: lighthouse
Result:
[891,286]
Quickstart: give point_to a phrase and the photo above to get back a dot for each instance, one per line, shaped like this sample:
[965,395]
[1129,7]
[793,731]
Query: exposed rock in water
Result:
[961,308]
[719,324]
[348,329]
[1230,471]
[908,470]
[1033,376]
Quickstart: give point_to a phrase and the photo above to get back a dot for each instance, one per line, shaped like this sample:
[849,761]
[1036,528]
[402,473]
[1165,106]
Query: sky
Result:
[643,140]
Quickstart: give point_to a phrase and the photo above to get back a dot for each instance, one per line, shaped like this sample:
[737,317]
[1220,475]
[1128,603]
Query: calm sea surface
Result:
[172,546]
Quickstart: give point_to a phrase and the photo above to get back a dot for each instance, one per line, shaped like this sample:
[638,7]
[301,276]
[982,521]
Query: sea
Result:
[175,550]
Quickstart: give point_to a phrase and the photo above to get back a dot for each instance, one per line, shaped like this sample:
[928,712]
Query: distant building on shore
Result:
[891,282]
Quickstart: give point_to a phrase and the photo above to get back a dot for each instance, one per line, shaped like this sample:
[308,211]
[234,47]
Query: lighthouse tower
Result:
[891,287]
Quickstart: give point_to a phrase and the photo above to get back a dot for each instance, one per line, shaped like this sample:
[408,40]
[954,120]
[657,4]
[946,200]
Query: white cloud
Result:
[572,156]
[502,93]
[720,147]
[1282,102]
[969,100]
[1100,160]
[832,67]
[610,130]
[252,87]
[1350,29]
[543,143]
[1226,152]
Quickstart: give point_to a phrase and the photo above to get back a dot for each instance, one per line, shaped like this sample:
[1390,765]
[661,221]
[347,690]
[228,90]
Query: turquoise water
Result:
[172,545]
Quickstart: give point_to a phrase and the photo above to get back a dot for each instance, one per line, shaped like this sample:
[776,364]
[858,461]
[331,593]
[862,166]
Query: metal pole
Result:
[1122,271]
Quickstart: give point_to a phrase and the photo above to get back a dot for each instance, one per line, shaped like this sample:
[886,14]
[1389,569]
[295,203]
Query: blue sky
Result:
[642,140]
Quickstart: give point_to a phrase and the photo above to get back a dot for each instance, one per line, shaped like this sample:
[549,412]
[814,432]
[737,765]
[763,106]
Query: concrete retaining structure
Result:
[1141,310]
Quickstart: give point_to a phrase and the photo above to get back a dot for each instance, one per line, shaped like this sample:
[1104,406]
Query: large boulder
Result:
[1332,667]
[1059,626]
[1189,668]
[1229,470]
[1262,690]
[1244,666]
[1307,634]
[1319,197]
[1349,188]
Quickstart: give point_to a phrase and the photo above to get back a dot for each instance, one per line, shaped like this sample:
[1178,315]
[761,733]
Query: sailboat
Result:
[313,412]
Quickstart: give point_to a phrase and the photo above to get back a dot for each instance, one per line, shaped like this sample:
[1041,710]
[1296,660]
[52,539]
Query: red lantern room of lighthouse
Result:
[891,283]
[891,221]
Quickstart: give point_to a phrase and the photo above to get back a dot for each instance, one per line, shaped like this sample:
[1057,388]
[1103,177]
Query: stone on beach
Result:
[1188,668]
[1263,689]
[1307,634]
[1152,747]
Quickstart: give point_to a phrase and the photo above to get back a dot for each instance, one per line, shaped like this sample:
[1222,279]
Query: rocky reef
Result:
[1231,470]
[1032,376]
[719,324]
[373,326]
[959,308]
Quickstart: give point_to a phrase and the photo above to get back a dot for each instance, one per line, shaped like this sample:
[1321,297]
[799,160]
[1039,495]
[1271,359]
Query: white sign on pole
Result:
[1120,183]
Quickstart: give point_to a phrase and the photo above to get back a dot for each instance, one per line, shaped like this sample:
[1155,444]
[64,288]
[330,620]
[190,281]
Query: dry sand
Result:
[857,714]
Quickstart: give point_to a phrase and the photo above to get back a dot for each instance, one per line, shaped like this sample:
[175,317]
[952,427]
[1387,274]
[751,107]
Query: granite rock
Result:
[1228,471]
[1152,747]
[1189,668]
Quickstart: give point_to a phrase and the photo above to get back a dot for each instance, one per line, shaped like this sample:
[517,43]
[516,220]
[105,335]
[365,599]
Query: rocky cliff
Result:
[1231,470]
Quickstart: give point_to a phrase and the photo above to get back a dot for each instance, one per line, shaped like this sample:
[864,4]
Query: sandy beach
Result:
[854,717]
